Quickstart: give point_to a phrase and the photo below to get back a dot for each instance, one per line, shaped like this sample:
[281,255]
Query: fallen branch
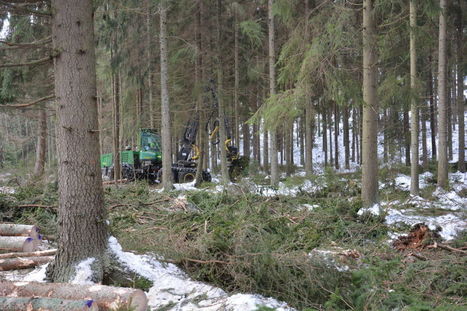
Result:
[49,207]
[111,182]
[49,252]
[446,247]
[14,45]
[417,256]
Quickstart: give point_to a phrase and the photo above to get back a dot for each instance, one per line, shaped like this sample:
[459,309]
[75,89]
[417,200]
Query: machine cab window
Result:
[150,141]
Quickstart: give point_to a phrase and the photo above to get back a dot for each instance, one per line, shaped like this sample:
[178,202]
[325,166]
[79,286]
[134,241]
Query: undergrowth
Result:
[247,243]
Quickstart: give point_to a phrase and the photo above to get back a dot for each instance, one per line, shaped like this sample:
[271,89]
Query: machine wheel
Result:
[186,177]
[207,176]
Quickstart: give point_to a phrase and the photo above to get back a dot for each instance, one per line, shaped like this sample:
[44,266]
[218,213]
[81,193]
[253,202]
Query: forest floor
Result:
[308,243]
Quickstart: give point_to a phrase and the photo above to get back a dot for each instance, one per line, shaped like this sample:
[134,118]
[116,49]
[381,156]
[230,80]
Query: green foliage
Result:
[253,31]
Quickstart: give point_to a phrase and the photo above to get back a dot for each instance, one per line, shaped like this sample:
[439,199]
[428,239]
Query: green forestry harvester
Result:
[146,162]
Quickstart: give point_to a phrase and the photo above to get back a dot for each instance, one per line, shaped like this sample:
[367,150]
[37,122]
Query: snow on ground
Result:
[174,290]
[84,272]
[7,190]
[448,209]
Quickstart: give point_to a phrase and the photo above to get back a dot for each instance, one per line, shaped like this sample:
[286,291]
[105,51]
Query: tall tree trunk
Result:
[199,102]
[336,136]
[309,119]
[116,124]
[346,137]
[220,90]
[423,115]
[354,135]
[266,151]
[414,188]
[460,90]
[331,154]
[41,147]
[432,110]
[272,92]
[442,107]
[165,105]
[450,89]
[81,211]
[237,79]
[370,108]
[149,62]
[406,136]
[325,137]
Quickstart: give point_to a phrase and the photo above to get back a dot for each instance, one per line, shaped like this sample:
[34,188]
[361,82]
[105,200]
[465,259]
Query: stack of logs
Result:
[19,246]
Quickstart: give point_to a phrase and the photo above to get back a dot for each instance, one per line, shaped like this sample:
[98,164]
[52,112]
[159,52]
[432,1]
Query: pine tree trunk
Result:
[325,137]
[336,136]
[423,114]
[370,108]
[272,92]
[354,135]
[81,211]
[442,107]
[414,188]
[432,111]
[346,137]
[309,119]
[165,105]
[116,125]
[149,63]
[406,137]
[266,152]
[331,154]
[220,90]
[41,148]
[460,90]
[450,100]
[237,80]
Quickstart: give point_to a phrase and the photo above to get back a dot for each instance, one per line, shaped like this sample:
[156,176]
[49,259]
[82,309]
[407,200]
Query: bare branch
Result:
[33,63]
[14,45]
[40,100]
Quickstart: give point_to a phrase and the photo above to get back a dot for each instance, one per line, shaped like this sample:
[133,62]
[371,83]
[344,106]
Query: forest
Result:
[237,155]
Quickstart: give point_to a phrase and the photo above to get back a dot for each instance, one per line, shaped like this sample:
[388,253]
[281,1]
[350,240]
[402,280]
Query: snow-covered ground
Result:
[172,289]
[446,213]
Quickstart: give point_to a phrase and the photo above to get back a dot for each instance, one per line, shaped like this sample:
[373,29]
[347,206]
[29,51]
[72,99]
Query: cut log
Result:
[23,263]
[19,230]
[18,244]
[49,252]
[106,297]
[46,304]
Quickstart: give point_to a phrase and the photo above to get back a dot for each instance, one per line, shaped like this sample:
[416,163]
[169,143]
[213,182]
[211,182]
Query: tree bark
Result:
[149,62]
[336,136]
[81,214]
[165,105]
[46,304]
[370,107]
[106,297]
[41,149]
[325,138]
[237,79]
[414,183]
[272,92]
[442,107]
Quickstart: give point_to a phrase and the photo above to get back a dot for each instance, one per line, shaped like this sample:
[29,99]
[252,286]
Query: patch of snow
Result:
[402,182]
[84,272]
[450,224]
[375,210]
[7,190]
[330,257]
[308,207]
[174,290]
[37,275]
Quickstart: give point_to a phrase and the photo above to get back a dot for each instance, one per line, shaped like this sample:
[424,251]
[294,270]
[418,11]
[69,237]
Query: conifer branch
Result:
[40,100]
[32,63]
